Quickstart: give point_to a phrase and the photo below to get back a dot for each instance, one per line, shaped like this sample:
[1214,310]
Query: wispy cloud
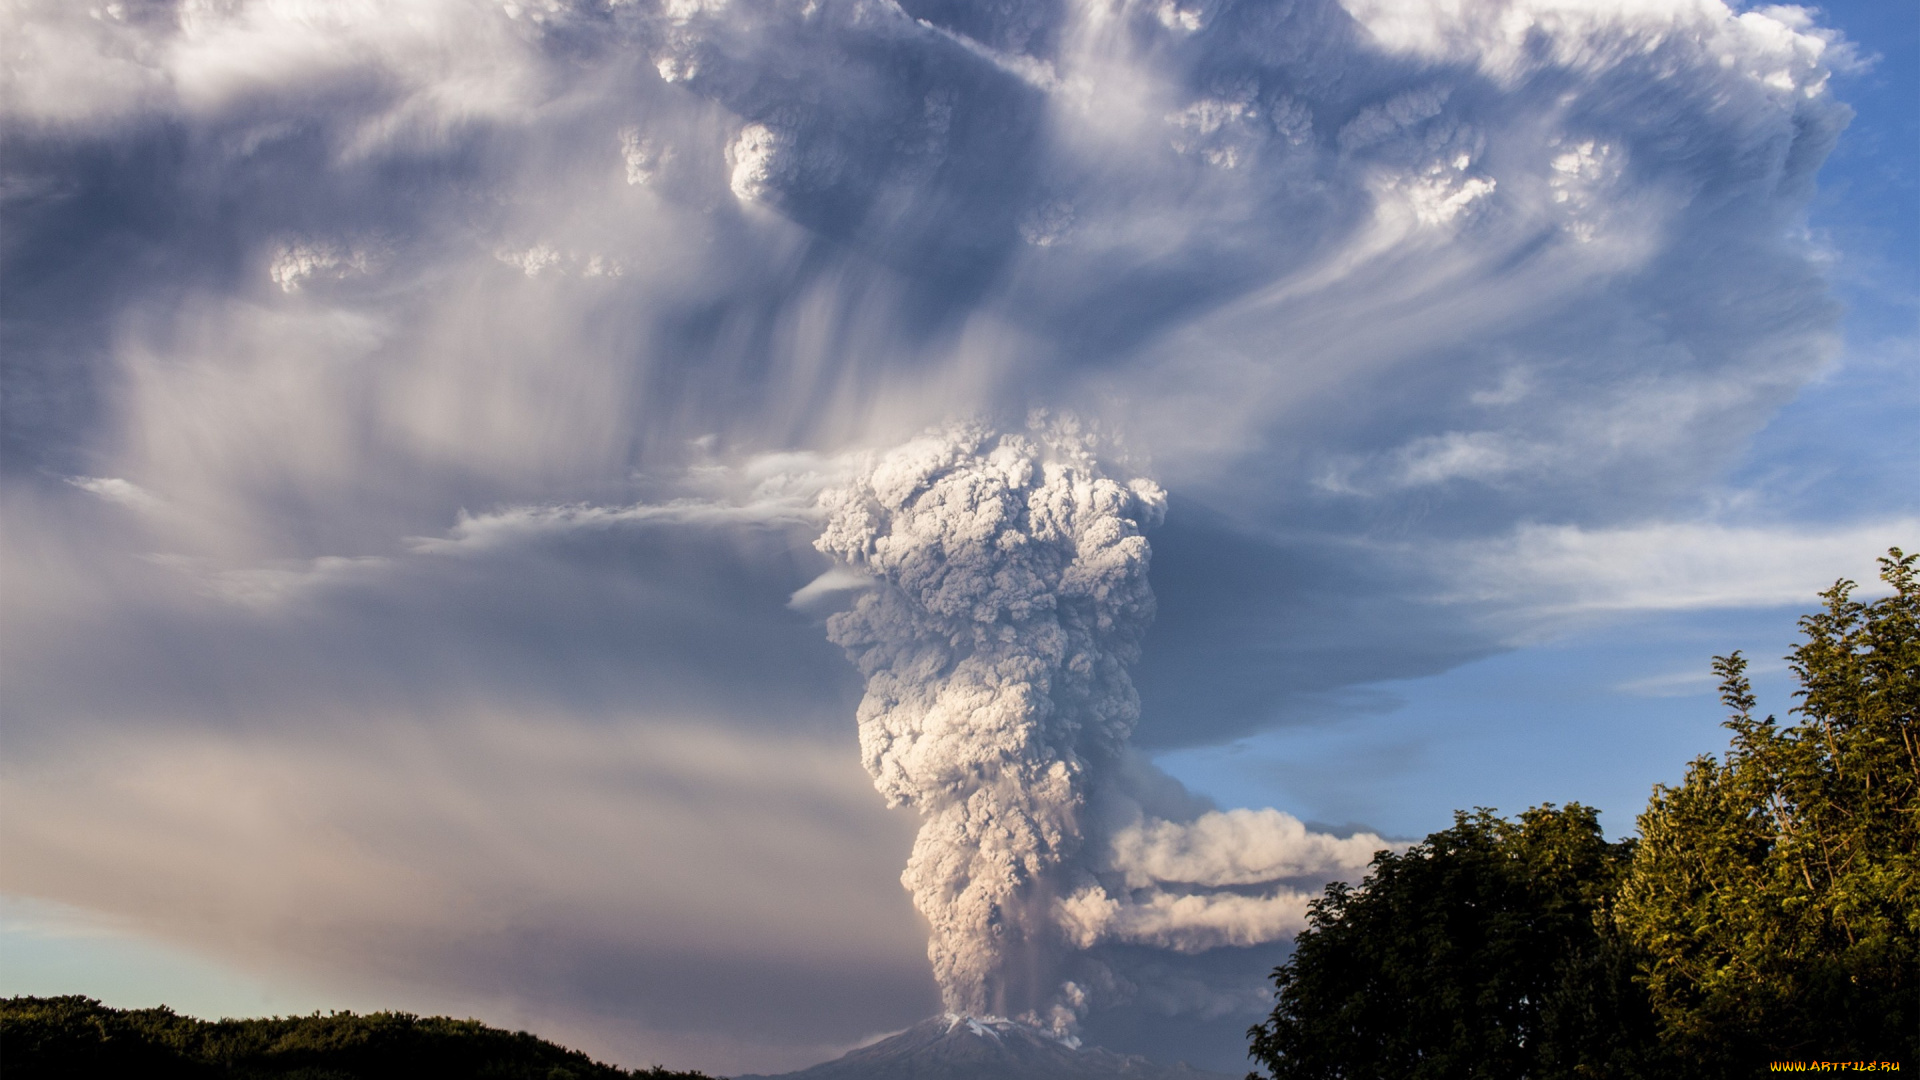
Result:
[474,532]
[1567,570]
[115,490]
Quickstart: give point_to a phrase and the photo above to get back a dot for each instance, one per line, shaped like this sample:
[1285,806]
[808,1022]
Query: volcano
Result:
[987,1048]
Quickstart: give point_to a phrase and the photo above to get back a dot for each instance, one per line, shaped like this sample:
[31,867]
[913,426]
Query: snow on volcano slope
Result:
[986,1048]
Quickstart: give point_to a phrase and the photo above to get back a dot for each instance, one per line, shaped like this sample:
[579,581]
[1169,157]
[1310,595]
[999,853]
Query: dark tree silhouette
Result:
[1484,951]
[77,1038]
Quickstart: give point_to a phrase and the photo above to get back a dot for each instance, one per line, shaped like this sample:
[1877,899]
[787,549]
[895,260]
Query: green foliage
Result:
[1777,893]
[76,1038]
[1486,951]
[1770,909]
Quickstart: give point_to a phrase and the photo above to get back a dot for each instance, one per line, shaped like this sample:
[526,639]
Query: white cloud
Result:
[771,491]
[1188,923]
[541,259]
[115,490]
[1690,683]
[1477,455]
[1237,877]
[642,156]
[1234,847]
[273,585]
[479,532]
[830,587]
[1568,570]
[299,261]
[435,62]
[759,156]
[1777,48]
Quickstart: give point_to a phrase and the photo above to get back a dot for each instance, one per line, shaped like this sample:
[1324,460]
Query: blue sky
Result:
[417,427]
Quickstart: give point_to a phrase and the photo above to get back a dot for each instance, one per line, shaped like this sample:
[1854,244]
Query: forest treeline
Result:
[1768,910]
[77,1038]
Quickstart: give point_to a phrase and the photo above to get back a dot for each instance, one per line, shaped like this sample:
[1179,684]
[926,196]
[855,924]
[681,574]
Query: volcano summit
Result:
[955,1047]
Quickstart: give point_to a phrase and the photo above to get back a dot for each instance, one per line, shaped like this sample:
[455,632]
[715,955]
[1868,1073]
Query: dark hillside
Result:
[76,1038]
[971,1048]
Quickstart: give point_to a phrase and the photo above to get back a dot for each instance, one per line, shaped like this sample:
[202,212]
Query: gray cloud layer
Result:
[413,407]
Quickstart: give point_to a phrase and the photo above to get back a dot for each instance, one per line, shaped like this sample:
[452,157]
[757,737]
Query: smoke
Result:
[1235,877]
[1013,594]
[1008,598]
[468,362]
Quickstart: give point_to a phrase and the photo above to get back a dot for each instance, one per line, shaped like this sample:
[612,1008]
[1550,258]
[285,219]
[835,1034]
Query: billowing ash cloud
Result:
[429,380]
[1235,877]
[1009,599]
[1012,596]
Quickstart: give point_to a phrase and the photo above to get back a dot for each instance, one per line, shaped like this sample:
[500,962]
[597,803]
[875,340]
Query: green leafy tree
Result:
[1777,893]
[1487,950]
[1769,910]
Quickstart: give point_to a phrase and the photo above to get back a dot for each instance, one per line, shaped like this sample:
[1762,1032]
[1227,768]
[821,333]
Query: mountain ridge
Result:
[954,1047]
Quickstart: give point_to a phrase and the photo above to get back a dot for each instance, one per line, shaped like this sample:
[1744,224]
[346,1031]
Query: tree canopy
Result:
[1482,951]
[1768,910]
[77,1038]
[1777,892]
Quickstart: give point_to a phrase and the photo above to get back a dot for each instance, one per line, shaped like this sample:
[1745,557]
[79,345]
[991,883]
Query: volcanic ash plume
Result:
[1010,595]
[1005,597]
